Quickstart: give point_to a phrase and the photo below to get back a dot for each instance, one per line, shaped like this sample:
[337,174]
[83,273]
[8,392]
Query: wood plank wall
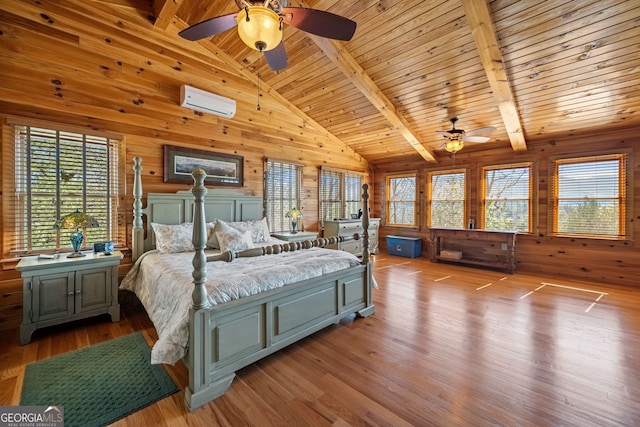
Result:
[611,261]
[69,67]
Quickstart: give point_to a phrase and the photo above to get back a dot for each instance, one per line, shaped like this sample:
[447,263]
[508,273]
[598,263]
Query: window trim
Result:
[9,129]
[625,182]
[298,197]
[465,201]
[344,173]
[388,201]
[532,191]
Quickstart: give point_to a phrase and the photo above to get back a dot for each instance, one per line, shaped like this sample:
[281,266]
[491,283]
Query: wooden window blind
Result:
[401,199]
[340,193]
[506,197]
[447,198]
[589,196]
[56,173]
[283,189]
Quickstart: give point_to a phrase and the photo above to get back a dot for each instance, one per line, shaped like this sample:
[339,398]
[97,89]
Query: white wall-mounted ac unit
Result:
[207,102]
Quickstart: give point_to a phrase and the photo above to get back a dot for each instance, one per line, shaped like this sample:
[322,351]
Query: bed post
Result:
[201,390]
[137,232]
[365,223]
[369,308]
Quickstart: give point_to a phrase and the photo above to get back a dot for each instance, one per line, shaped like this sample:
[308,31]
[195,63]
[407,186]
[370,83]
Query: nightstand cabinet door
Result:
[53,296]
[93,289]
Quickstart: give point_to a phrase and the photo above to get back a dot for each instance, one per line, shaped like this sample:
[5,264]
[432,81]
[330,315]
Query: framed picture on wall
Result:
[221,169]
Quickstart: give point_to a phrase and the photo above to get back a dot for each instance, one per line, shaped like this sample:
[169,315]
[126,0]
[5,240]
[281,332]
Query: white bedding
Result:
[164,284]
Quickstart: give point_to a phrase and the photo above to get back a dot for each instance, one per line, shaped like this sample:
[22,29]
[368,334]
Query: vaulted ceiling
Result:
[535,70]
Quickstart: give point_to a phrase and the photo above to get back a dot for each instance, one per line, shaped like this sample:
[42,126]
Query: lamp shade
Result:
[259,28]
[454,145]
[293,213]
[76,219]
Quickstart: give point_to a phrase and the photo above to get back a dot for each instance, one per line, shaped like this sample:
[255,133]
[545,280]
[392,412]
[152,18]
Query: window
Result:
[447,199]
[590,196]
[401,199]
[507,196]
[283,186]
[56,173]
[340,193]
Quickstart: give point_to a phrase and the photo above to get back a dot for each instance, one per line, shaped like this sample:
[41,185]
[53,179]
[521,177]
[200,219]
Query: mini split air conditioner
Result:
[207,102]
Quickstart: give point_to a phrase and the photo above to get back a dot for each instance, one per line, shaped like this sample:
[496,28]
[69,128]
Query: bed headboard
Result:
[176,208]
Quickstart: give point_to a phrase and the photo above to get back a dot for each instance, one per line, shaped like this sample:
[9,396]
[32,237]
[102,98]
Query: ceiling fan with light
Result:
[260,26]
[457,137]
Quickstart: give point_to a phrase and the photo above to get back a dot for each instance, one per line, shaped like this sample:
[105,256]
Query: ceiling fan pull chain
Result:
[259,67]
[246,10]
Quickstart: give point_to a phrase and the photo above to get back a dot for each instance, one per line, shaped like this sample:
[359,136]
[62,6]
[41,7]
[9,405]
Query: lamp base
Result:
[76,255]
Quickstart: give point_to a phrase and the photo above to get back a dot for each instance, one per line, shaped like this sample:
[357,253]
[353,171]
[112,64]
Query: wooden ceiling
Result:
[536,69]
[533,69]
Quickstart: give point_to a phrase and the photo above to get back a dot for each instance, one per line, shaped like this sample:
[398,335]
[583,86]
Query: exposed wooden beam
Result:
[484,34]
[164,11]
[365,84]
[266,89]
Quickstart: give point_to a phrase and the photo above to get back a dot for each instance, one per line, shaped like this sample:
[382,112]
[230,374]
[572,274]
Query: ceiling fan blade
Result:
[487,129]
[443,132]
[468,138]
[210,27]
[277,57]
[319,22]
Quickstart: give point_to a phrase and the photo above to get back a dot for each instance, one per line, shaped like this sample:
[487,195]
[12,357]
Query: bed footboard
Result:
[226,338]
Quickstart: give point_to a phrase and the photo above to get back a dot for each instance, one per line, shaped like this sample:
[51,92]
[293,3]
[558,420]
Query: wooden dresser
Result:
[349,227]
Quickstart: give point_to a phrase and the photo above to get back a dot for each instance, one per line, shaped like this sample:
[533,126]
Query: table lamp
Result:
[295,215]
[79,221]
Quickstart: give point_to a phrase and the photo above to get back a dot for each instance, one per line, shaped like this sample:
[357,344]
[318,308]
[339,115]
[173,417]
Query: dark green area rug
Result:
[100,384]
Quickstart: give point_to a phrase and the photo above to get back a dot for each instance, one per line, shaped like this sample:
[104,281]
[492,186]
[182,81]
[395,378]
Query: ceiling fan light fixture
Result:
[262,29]
[454,145]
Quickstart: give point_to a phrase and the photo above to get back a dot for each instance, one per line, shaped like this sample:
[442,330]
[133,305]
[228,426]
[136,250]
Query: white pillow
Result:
[173,238]
[258,228]
[234,240]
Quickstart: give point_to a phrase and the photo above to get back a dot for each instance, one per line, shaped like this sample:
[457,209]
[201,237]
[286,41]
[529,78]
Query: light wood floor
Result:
[447,346]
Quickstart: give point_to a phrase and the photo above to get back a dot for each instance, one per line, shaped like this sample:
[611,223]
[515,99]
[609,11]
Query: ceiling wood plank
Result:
[356,74]
[164,11]
[484,34]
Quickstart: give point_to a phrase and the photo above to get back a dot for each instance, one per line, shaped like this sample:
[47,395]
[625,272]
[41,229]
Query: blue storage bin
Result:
[409,247]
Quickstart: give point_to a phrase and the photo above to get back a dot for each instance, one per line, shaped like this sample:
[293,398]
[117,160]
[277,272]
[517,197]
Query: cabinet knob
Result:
[71,293]
[78,292]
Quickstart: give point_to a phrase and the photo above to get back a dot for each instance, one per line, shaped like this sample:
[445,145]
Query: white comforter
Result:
[163,283]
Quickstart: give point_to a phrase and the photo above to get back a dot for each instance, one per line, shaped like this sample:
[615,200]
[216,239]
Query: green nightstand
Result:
[64,289]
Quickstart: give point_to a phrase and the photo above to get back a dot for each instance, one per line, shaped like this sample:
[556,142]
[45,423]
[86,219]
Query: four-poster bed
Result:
[313,288]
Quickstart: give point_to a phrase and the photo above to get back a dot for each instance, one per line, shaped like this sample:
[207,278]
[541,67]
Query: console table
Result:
[495,249]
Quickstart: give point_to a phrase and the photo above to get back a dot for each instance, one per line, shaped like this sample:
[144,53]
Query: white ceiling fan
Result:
[457,137]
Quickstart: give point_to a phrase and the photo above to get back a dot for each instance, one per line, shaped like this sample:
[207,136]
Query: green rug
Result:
[99,384]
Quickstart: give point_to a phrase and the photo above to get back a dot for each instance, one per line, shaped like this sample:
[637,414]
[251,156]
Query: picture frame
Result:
[222,169]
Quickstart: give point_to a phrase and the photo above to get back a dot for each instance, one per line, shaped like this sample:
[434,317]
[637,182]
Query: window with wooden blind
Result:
[447,199]
[340,193]
[57,173]
[401,200]
[283,189]
[589,196]
[506,197]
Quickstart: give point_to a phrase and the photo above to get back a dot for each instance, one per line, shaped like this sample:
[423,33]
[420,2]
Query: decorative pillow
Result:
[173,238]
[212,240]
[234,240]
[259,229]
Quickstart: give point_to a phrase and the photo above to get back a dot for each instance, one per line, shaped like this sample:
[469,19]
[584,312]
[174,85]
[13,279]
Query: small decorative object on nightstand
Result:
[295,216]
[60,289]
[79,221]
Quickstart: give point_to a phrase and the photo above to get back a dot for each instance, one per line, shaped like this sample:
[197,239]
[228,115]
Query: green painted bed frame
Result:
[225,338]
